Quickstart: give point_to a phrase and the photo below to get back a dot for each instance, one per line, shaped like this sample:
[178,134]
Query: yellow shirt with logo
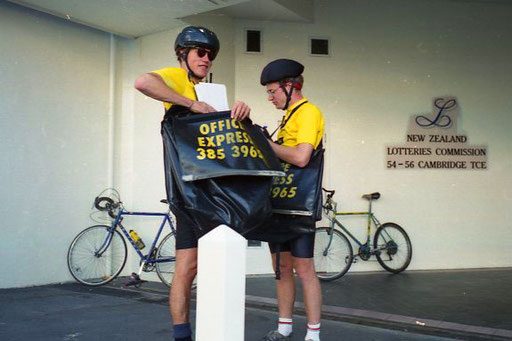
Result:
[305,126]
[177,79]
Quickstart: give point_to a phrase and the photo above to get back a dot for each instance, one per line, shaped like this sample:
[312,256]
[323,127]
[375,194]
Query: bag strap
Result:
[176,111]
[281,126]
[278,262]
[321,144]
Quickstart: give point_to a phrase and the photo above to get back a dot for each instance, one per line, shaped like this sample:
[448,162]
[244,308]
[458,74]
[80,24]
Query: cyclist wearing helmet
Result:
[196,48]
[300,133]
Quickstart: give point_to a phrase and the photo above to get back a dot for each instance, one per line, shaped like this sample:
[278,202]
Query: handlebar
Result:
[330,193]
[328,202]
[106,204]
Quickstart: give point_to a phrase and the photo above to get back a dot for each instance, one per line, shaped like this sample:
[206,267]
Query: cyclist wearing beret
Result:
[300,133]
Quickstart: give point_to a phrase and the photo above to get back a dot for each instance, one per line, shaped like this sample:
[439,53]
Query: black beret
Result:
[280,69]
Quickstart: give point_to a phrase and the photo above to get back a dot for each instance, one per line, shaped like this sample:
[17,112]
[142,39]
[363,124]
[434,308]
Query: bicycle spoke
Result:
[333,254]
[166,250]
[395,250]
[90,269]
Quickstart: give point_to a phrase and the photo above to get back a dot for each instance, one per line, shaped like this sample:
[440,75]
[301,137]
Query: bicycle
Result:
[97,255]
[333,251]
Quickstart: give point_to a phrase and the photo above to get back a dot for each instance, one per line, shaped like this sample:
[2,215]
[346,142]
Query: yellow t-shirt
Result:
[177,79]
[305,126]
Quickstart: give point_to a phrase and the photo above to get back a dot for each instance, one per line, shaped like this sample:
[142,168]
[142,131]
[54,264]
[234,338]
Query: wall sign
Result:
[432,142]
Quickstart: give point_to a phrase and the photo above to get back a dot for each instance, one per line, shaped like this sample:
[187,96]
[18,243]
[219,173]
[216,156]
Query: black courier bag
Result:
[296,201]
[218,170]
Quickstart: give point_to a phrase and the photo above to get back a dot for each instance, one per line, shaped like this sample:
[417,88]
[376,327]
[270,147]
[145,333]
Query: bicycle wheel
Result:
[166,250]
[88,268]
[331,261]
[394,246]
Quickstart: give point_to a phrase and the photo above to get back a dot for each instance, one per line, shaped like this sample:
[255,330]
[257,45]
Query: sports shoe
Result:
[274,335]
[134,280]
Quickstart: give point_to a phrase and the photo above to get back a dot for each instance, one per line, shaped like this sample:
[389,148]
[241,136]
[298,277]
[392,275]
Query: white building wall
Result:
[53,140]
[389,59]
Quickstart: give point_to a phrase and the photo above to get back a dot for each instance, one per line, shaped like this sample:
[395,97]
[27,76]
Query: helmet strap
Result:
[191,73]
[288,94]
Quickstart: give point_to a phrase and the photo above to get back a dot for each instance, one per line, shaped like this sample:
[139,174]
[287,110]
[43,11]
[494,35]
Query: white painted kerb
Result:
[221,286]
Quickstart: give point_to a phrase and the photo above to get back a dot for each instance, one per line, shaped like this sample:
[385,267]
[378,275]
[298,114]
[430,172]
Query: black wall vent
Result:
[253,41]
[319,46]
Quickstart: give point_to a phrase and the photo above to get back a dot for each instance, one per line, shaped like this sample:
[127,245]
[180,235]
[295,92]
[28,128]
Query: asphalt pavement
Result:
[71,312]
[416,305]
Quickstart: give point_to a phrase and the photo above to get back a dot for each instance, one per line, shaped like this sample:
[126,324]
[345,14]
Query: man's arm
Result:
[298,156]
[153,86]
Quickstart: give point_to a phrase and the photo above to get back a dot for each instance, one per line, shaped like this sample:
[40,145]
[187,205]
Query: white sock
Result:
[285,326]
[313,332]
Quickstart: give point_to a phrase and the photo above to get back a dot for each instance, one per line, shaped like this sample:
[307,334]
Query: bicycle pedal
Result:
[134,280]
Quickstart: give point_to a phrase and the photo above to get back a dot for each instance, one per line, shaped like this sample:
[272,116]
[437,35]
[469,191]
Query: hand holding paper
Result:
[201,107]
[240,111]
[215,96]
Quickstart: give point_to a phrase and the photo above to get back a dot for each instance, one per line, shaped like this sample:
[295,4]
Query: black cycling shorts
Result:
[300,247]
[186,237]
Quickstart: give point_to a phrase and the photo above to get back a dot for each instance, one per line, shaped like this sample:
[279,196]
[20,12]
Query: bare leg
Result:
[305,268]
[286,285]
[184,274]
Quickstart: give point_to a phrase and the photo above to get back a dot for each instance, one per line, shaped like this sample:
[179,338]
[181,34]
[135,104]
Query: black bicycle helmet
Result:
[197,36]
[282,70]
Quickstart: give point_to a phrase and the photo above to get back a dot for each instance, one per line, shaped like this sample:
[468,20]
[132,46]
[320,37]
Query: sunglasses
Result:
[202,52]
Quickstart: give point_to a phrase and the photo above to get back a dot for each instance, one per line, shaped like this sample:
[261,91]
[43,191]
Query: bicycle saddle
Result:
[372,196]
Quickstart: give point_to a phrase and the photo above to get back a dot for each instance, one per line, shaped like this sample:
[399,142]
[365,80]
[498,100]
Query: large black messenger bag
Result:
[299,192]
[296,201]
[218,171]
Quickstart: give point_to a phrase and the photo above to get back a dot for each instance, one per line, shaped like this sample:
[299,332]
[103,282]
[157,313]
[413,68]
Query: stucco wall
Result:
[53,139]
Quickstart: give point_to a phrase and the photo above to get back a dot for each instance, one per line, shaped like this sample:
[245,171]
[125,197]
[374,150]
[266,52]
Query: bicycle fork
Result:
[331,236]
[106,243]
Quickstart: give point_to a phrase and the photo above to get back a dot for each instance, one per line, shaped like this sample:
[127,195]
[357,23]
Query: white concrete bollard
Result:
[220,314]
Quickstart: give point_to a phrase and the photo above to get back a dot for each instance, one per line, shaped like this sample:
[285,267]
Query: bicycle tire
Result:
[395,247]
[166,249]
[333,263]
[89,269]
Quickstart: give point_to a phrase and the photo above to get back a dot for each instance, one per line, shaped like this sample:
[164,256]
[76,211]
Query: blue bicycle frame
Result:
[145,258]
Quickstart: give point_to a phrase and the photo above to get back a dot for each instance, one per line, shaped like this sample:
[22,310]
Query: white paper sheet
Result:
[213,94]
